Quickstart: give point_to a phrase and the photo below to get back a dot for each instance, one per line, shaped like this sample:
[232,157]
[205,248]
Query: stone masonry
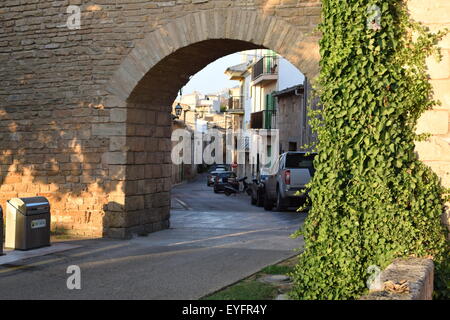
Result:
[85,114]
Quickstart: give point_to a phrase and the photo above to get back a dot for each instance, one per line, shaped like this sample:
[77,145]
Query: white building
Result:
[201,102]
[261,73]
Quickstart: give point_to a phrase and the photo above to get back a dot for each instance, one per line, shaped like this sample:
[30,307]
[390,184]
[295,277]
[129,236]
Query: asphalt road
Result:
[213,242]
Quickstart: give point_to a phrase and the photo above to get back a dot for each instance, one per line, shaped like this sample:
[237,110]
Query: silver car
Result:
[289,174]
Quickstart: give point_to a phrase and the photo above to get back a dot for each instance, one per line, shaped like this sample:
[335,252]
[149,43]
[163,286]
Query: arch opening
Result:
[147,169]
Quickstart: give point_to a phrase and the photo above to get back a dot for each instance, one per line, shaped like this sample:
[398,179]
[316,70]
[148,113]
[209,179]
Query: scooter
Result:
[233,188]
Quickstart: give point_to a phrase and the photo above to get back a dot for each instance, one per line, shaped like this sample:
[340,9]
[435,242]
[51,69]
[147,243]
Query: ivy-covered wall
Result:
[435,152]
[372,199]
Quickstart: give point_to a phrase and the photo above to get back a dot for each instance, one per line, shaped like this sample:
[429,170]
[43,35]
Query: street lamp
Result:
[178,110]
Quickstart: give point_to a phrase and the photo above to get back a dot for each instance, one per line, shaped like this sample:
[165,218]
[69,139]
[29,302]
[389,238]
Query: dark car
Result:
[224,178]
[211,177]
[258,188]
[216,167]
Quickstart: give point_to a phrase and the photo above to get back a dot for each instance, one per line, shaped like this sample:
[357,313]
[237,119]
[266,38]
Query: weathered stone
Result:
[277,278]
[433,122]
[439,69]
[417,274]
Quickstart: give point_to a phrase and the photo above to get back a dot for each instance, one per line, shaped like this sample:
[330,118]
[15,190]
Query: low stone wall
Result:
[415,274]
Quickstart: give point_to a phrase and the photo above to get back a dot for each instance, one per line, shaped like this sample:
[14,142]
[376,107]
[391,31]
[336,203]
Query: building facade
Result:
[295,133]
[261,74]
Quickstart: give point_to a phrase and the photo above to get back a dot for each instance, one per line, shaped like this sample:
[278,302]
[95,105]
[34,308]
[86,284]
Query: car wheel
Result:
[253,200]
[280,204]
[259,199]
[268,204]
[215,190]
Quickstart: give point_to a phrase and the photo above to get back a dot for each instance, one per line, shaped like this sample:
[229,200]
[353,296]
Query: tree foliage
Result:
[372,199]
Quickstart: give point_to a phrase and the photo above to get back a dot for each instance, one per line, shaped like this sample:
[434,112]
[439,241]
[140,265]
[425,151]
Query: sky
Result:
[212,78]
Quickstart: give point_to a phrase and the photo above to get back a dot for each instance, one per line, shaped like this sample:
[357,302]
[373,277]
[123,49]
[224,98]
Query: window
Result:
[292,146]
[300,161]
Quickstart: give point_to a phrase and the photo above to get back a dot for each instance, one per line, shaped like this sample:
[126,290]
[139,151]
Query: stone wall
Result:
[436,151]
[84,114]
[292,120]
[415,274]
[183,172]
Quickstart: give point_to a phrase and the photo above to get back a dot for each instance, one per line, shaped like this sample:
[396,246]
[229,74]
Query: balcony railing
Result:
[267,65]
[265,119]
[235,103]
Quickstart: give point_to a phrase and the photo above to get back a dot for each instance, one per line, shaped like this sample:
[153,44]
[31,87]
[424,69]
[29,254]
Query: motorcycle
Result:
[234,187]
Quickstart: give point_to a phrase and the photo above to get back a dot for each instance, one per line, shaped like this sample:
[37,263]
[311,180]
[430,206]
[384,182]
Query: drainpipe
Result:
[305,111]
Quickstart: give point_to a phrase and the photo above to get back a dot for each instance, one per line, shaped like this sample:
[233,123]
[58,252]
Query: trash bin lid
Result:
[24,205]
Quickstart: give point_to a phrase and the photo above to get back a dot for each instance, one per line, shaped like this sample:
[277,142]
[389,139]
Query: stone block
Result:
[439,69]
[433,122]
[435,149]
[118,143]
[108,129]
[430,11]
[441,91]
[115,158]
[419,274]
[118,115]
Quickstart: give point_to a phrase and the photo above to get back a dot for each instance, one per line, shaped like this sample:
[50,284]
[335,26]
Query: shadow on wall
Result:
[144,223]
[49,148]
[49,151]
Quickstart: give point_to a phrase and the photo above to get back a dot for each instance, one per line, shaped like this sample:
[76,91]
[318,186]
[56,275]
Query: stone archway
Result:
[144,88]
[299,47]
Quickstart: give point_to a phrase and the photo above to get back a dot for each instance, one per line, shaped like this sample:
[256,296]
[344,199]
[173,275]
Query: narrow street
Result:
[213,242]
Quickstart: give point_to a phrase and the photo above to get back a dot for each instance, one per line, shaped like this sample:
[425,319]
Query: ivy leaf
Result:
[349,154]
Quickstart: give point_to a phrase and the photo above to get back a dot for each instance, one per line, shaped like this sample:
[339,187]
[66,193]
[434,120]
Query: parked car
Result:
[258,187]
[222,179]
[216,167]
[289,174]
[211,177]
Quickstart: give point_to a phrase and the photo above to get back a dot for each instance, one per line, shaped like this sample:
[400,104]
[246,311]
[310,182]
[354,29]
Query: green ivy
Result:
[372,199]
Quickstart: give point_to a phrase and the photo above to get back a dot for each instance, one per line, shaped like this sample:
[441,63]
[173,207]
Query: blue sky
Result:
[212,79]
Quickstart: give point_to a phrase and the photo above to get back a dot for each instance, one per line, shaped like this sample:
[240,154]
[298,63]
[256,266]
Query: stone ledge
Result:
[418,272]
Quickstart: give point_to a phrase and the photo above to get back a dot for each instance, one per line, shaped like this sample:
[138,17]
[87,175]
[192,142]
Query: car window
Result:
[299,161]
[227,174]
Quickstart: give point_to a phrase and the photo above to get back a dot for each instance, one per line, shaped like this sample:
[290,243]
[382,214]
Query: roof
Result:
[239,68]
[237,71]
[289,91]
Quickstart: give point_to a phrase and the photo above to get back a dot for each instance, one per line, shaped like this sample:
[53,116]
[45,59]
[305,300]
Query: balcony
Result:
[265,70]
[265,119]
[236,105]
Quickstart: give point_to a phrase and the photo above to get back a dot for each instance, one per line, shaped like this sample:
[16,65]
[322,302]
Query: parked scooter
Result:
[234,188]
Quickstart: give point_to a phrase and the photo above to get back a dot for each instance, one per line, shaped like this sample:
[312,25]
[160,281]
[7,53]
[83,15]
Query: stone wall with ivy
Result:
[373,200]
[435,151]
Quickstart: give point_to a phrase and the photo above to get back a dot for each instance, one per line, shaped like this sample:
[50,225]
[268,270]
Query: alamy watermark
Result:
[73,21]
[74,280]
[233,147]
[374,280]
[374,18]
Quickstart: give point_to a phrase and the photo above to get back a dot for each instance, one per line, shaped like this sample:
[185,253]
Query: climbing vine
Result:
[372,199]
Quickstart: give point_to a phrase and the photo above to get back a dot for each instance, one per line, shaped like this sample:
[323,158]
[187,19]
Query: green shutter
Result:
[269,110]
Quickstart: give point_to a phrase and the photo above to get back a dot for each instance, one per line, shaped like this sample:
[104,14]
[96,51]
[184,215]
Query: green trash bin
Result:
[27,223]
